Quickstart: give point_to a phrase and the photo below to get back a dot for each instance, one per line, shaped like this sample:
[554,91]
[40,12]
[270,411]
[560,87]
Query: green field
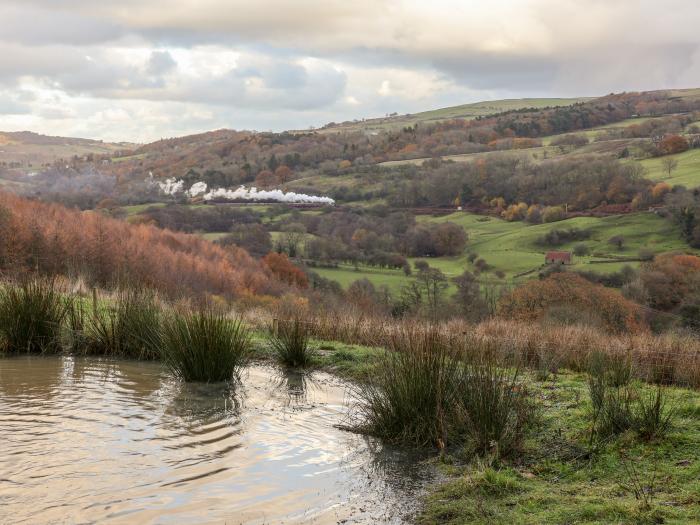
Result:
[512,248]
[686,174]
[463,111]
[345,275]
[140,208]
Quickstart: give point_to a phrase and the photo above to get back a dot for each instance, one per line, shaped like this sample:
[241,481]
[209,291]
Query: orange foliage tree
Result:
[532,301]
[53,240]
[280,265]
[673,144]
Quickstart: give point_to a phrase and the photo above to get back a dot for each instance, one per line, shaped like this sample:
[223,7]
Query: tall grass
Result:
[204,346]
[30,317]
[290,342]
[411,398]
[494,406]
[435,389]
[130,327]
[666,359]
[617,406]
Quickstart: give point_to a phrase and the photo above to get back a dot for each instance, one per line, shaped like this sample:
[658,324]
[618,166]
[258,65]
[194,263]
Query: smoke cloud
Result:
[175,187]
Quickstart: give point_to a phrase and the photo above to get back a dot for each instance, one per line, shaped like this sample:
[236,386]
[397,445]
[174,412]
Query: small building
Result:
[557,258]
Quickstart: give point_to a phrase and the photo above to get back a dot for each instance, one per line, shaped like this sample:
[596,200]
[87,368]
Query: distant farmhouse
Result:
[557,258]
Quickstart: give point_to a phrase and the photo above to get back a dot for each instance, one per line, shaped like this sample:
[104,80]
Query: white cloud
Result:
[179,66]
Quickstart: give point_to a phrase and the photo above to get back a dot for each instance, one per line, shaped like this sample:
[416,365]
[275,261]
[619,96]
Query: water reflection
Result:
[121,442]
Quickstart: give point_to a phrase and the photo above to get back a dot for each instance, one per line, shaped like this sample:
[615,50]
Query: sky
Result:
[141,70]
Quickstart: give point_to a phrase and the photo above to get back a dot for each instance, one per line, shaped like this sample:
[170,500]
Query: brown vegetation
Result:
[52,240]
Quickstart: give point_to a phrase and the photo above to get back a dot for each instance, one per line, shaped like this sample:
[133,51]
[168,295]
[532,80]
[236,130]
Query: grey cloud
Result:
[160,62]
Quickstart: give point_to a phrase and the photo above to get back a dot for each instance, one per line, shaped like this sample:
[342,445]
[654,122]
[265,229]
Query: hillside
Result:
[27,151]
[463,111]
[484,188]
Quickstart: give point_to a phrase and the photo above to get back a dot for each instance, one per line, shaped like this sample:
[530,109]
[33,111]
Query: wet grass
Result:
[431,389]
[205,346]
[558,478]
[31,316]
[411,398]
[130,327]
[289,341]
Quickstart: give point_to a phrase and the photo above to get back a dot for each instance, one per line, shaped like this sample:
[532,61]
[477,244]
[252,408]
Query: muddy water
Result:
[85,441]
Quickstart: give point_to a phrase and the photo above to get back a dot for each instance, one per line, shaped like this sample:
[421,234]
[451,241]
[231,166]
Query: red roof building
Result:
[557,258]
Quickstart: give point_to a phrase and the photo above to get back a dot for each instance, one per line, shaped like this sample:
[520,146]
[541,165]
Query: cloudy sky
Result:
[140,70]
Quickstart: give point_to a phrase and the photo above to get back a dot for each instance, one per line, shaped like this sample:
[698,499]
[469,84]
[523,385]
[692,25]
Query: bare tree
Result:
[669,165]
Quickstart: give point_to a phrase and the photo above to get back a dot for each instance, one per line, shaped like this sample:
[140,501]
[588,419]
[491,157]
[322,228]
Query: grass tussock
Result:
[494,406]
[411,397]
[618,406]
[289,341]
[204,346]
[129,327]
[431,390]
[31,316]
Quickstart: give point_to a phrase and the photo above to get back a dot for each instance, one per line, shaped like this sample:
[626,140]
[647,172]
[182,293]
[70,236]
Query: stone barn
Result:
[557,258]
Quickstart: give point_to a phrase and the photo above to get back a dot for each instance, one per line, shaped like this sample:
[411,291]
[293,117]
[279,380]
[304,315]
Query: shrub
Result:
[129,328]
[204,346]
[290,342]
[30,317]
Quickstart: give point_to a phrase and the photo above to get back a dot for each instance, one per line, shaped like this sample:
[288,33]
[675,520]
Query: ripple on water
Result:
[118,441]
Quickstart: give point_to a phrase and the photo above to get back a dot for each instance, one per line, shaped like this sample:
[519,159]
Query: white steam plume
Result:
[173,187]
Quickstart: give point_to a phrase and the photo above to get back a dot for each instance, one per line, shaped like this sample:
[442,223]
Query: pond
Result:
[87,440]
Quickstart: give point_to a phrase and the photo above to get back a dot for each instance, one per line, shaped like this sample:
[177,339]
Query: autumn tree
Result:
[265,180]
[533,300]
[671,144]
[280,265]
[449,239]
[292,236]
[468,297]
[252,237]
[283,174]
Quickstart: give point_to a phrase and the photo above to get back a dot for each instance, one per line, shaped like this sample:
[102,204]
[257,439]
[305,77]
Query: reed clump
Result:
[130,327]
[410,400]
[289,341]
[433,389]
[31,315]
[494,406]
[204,346]
[618,406]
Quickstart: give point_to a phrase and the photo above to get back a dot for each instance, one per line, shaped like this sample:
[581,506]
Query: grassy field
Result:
[140,208]
[687,174]
[464,111]
[345,275]
[559,478]
[512,248]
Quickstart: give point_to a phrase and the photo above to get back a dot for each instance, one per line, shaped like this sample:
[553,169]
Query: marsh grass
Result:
[31,314]
[494,406]
[204,346]
[432,389]
[411,398]
[617,406]
[654,414]
[290,343]
[130,327]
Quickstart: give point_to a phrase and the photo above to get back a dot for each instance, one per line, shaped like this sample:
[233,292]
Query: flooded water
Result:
[86,441]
